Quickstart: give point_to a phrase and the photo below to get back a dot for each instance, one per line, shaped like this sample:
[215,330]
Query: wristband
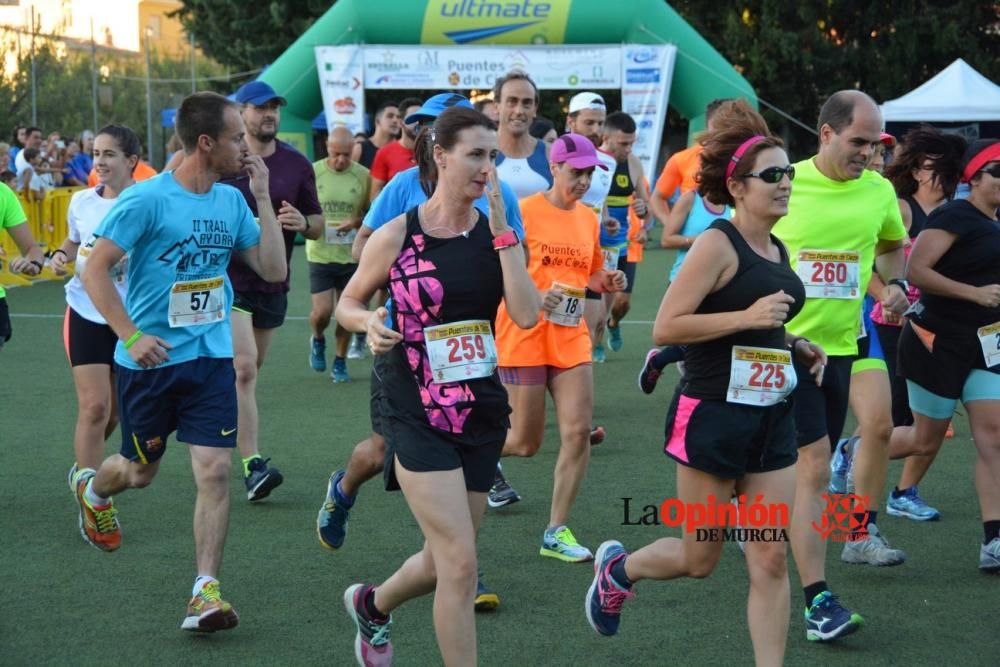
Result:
[506,240]
[902,284]
[36,263]
[795,341]
[60,250]
[131,341]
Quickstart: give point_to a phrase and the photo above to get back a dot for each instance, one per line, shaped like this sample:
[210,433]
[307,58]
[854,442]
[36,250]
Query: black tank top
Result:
[918,219]
[437,281]
[368,150]
[622,187]
[707,365]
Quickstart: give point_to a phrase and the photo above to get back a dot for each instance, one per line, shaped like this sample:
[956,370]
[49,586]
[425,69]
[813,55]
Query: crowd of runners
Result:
[485,260]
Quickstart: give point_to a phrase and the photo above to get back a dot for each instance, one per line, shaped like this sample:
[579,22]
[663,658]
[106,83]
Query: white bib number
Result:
[610,258]
[830,274]
[989,339]
[570,309]
[339,237]
[760,376]
[461,351]
[196,302]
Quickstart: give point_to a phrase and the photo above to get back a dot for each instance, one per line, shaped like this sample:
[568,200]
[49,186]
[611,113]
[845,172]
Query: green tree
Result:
[247,35]
[797,54]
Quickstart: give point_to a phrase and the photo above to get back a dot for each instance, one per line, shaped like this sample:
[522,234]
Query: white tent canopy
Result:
[957,93]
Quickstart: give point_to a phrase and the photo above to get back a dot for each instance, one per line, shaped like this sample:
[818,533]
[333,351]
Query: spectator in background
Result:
[32,139]
[19,136]
[28,178]
[387,128]
[5,156]
[544,129]
[74,172]
[9,179]
[81,163]
[173,148]
[488,108]
[396,156]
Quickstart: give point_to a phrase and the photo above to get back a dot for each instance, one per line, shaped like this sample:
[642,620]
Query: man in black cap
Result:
[259,307]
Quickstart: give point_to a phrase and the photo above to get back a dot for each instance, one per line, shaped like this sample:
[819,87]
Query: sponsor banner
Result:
[495,21]
[424,67]
[341,83]
[647,73]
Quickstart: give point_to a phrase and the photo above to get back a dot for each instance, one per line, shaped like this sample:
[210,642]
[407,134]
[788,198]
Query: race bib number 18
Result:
[830,274]
[461,351]
[760,376]
[196,302]
[570,309]
[989,339]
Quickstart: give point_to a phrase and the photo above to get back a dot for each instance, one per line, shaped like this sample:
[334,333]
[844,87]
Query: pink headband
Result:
[988,154]
[744,147]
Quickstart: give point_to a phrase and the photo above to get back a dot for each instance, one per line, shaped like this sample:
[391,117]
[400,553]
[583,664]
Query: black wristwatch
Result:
[901,283]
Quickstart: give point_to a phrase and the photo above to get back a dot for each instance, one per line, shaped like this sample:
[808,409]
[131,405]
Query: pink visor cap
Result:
[577,150]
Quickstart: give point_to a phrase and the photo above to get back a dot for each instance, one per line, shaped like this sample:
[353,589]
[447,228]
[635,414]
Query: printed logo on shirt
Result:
[562,254]
[206,251]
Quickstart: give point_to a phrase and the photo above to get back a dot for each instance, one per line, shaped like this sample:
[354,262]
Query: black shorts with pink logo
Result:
[729,440]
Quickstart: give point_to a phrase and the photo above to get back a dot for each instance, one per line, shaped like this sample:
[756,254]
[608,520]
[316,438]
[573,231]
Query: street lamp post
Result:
[149,101]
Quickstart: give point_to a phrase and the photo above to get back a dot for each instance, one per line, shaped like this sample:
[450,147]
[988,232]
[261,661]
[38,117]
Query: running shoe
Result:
[71,478]
[356,350]
[649,376]
[372,647]
[339,372]
[331,523]
[260,480]
[615,341]
[208,612]
[597,435]
[605,596]
[840,464]
[989,556]
[501,493]
[827,619]
[909,504]
[872,550]
[559,543]
[317,354]
[486,598]
[98,525]
[598,354]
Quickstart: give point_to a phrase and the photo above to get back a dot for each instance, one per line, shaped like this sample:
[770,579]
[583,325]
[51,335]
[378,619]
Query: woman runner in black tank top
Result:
[730,427]
[444,412]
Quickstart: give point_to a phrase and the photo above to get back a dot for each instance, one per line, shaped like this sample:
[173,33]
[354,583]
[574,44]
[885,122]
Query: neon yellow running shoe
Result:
[208,612]
[558,542]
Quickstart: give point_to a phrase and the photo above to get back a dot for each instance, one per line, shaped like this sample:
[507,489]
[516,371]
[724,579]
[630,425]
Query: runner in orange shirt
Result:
[565,259]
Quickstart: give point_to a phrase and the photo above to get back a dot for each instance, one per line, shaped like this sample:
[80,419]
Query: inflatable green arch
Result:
[701,74]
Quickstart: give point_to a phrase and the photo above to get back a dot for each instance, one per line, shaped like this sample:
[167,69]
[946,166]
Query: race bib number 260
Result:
[830,274]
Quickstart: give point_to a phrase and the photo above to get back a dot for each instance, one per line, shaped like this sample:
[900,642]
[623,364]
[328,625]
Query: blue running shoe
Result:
[559,542]
[827,619]
[989,556]
[598,354]
[615,341]
[840,464]
[339,372]
[909,504]
[331,523]
[317,355]
[605,597]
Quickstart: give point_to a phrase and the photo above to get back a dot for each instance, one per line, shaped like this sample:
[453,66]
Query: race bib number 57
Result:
[830,274]
[196,302]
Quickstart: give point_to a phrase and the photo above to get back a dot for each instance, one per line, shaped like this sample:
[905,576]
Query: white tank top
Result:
[86,211]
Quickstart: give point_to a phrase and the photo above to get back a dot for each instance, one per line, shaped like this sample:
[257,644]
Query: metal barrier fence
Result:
[48,221]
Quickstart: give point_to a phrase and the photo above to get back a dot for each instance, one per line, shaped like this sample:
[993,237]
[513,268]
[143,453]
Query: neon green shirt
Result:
[11,215]
[842,221]
[343,195]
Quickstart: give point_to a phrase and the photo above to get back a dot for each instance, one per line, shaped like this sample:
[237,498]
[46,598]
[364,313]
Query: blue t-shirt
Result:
[79,167]
[179,244]
[403,192]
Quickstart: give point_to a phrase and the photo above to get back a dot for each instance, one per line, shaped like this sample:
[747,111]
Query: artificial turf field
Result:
[67,603]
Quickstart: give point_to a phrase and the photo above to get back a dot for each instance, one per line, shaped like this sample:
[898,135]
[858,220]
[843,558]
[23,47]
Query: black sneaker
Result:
[261,480]
[486,597]
[501,494]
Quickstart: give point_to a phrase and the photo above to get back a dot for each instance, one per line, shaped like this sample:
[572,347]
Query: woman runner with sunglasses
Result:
[730,426]
[950,347]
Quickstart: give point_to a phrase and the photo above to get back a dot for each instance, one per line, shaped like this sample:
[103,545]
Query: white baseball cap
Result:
[586,100]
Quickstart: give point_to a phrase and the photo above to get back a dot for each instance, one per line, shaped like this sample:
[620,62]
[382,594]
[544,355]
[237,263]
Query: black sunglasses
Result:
[993,170]
[773,174]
